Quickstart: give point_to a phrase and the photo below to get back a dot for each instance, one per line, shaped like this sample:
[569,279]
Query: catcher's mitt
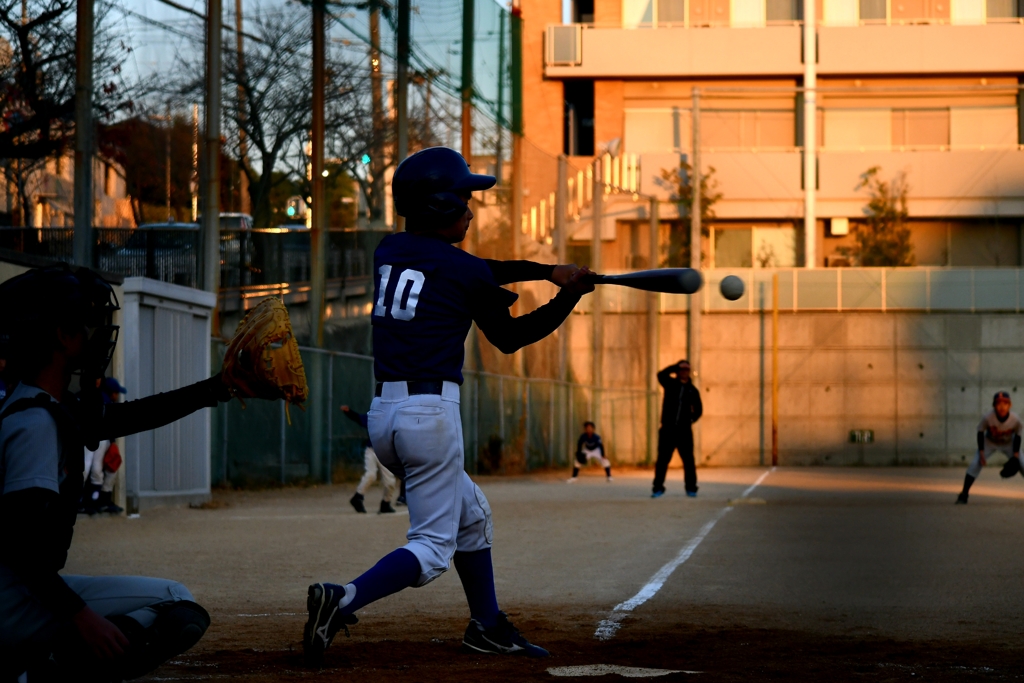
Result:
[262,359]
[1011,468]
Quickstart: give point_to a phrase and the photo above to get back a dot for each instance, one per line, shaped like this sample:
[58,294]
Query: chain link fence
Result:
[510,425]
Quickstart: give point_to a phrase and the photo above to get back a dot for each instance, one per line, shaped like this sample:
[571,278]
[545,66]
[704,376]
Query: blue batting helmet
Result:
[426,187]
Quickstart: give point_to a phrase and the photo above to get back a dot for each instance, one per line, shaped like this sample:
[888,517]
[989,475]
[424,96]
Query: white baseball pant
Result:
[595,454]
[419,438]
[371,464]
[990,449]
[94,472]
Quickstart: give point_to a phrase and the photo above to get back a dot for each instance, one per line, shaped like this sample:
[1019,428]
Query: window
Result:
[974,127]
[784,10]
[968,12]
[671,12]
[920,128]
[857,129]
[1003,9]
[748,13]
[872,11]
[758,247]
[579,118]
[583,11]
[841,12]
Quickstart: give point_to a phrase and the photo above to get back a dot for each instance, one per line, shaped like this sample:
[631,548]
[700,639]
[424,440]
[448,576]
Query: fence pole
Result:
[551,439]
[597,307]
[695,263]
[526,423]
[501,409]
[330,414]
[476,423]
[224,444]
[653,338]
[283,421]
[775,369]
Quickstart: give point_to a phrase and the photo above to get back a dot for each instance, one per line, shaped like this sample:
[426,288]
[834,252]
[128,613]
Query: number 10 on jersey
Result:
[409,286]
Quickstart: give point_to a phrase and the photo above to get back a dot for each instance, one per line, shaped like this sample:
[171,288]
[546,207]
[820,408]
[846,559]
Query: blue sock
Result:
[477,576]
[394,572]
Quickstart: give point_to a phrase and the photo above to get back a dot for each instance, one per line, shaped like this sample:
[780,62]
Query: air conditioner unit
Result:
[565,45]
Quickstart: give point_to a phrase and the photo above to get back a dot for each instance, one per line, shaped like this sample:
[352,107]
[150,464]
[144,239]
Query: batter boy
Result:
[999,430]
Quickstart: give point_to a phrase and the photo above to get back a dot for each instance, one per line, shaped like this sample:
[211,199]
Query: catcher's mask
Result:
[35,304]
[427,185]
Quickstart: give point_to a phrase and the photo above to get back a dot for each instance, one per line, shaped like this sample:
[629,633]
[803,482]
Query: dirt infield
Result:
[818,574]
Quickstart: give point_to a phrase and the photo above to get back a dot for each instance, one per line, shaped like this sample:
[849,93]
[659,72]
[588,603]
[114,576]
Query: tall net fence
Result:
[510,425]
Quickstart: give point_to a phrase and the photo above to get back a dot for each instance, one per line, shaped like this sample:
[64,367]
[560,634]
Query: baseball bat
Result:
[667,280]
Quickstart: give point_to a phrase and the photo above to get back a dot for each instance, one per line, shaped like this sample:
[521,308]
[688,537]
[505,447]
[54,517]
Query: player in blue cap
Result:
[998,432]
[427,294]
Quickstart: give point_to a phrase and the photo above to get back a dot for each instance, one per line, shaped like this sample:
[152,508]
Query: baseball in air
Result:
[731,287]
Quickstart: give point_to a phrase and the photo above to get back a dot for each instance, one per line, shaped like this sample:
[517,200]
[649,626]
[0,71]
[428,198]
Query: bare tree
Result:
[37,83]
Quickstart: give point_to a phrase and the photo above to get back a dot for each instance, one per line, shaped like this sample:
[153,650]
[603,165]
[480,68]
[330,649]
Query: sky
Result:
[436,36]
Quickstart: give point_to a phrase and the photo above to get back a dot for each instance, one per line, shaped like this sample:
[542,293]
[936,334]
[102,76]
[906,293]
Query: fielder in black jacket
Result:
[679,410]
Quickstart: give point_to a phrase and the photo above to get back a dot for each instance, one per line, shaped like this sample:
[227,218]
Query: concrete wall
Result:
[920,381]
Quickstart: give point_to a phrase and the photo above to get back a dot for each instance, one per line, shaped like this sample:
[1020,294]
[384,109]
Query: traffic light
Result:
[295,208]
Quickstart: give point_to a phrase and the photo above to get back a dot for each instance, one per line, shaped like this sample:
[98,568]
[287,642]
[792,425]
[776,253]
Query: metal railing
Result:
[248,258]
[510,424]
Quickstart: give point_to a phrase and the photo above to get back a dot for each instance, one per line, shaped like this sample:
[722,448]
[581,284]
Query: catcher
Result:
[998,431]
[57,323]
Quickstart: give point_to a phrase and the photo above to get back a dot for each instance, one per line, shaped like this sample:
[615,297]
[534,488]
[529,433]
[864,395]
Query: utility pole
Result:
[468,25]
[167,160]
[377,107]
[194,184]
[84,30]
[211,175]
[402,94]
[596,303]
[428,136]
[517,125]
[498,146]
[244,205]
[402,114]
[695,249]
[810,141]
[318,234]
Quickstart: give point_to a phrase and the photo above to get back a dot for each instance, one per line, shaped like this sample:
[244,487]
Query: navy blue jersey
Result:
[426,295]
[591,443]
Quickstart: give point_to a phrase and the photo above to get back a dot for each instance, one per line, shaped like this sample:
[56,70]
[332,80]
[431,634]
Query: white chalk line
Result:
[608,627]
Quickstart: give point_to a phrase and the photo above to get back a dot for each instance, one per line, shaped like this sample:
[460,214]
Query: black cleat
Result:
[503,639]
[385,507]
[961,499]
[357,502]
[324,621]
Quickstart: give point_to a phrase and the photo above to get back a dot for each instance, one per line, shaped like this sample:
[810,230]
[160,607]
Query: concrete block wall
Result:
[920,381]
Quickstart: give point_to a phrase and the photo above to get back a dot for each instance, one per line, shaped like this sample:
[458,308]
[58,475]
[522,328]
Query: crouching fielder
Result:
[998,431]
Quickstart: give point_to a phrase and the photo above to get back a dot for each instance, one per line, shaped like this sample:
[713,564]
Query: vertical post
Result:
[402,84]
[167,160]
[318,232]
[377,211]
[211,174]
[760,403]
[526,423]
[696,211]
[775,369]
[810,134]
[517,125]
[596,303]
[468,21]
[499,150]
[244,205]
[329,454]
[224,443]
[283,423]
[653,338]
[564,332]
[84,29]
[501,409]
[561,254]
[194,185]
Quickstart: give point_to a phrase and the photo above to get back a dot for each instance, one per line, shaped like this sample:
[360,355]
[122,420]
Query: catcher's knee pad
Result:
[178,627]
